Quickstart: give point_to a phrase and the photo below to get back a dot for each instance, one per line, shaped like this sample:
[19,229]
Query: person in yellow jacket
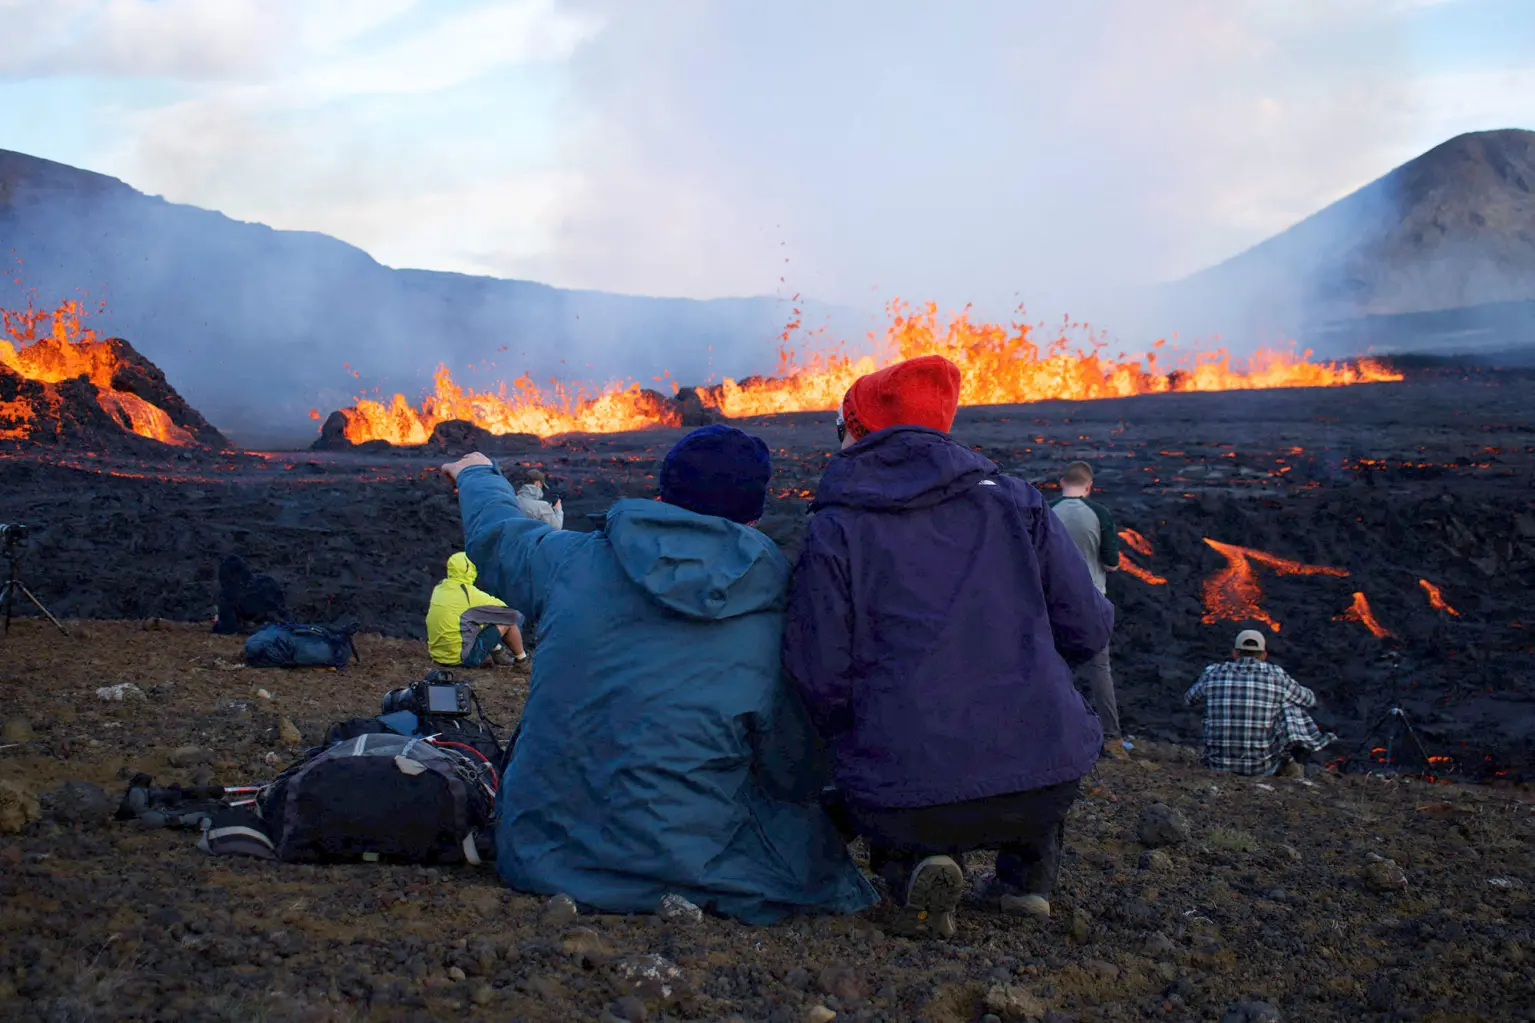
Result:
[467,627]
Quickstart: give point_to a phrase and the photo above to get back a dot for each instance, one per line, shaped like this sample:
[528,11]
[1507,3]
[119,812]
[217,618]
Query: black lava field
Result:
[1425,485]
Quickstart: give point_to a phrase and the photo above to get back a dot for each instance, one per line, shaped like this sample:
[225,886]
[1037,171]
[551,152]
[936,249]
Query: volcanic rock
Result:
[1162,825]
[80,802]
[1384,876]
[1012,1002]
[188,756]
[118,401]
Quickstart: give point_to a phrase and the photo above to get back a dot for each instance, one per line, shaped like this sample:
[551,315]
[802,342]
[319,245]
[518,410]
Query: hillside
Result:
[1453,229]
[255,326]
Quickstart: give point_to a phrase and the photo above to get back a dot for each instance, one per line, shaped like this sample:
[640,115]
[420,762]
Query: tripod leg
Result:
[7,601]
[38,604]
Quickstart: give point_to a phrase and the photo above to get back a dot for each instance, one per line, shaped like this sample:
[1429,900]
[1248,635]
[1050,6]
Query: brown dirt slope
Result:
[1269,899]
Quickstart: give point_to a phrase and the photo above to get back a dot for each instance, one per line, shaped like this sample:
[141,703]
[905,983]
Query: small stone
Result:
[189,756]
[585,946]
[677,910]
[80,802]
[991,1017]
[630,1010]
[819,1014]
[1159,945]
[797,978]
[1080,926]
[16,729]
[120,693]
[1384,876]
[1156,859]
[483,994]
[1162,825]
[651,978]
[288,733]
[559,911]
[1012,1002]
[455,973]
[841,982]
[1102,968]
[1252,1011]
[18,807]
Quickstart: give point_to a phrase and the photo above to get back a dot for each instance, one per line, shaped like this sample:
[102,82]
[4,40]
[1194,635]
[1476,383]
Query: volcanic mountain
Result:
[257,326]
[1437,254]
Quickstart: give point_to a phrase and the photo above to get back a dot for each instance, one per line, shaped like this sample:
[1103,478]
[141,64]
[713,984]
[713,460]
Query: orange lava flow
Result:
[51,347]
[1001,365]
[1232,594]
[1140,545]
[1359,611]
[1436,598]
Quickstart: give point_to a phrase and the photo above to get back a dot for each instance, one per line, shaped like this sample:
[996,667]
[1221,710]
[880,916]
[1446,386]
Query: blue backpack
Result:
[301,646]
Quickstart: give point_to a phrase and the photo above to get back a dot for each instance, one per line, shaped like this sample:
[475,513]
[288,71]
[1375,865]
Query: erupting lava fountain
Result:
[1001,366]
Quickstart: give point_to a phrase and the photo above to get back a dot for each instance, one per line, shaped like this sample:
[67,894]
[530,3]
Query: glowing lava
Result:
[1436,598]
[1141,545]
[1001,365]
[53,347]
[1359,611]
[1232,594]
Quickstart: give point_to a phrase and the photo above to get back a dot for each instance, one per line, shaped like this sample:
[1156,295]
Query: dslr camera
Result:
[437,695]
[13,534]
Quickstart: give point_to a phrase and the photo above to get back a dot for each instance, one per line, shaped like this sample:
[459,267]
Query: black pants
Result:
[1025,828]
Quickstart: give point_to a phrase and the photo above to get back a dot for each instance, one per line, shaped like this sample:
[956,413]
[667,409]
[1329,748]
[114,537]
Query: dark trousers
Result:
[1025,828]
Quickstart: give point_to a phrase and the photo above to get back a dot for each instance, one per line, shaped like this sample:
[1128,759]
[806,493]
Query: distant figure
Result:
[660,752]
[246,599]
[1092,530]
[1255,714]
[530,498]
[467,627]
[936,612]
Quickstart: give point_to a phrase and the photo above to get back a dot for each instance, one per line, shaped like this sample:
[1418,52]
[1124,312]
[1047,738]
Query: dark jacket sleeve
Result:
[515,555]
[1081,618]
[818,636]
[1108,537]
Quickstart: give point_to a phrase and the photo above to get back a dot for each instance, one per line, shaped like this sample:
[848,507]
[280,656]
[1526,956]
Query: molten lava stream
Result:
[1232,594]
[1135,541]
[1140,544]
[1359,611]
[1436,598]
[1001,365]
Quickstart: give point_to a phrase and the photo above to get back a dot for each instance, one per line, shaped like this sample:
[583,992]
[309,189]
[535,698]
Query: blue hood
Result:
[901,467]
[700,566]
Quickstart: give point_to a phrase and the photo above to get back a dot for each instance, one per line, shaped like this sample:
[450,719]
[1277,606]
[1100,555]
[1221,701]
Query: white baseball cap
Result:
[1251,641]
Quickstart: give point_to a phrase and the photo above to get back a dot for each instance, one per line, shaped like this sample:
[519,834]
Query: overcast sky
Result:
[995,152]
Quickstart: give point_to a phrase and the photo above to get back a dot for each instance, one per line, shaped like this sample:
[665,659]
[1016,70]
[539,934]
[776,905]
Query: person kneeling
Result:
[467,627]
[659,752]
[937,612]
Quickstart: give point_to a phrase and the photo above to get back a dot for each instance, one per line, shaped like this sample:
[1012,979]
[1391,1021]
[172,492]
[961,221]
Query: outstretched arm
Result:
[514,554]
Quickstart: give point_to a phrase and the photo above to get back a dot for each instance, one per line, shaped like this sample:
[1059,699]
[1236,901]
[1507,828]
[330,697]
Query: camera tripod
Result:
[13,589]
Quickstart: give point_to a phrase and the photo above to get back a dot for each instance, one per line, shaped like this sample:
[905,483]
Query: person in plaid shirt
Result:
[1254,712]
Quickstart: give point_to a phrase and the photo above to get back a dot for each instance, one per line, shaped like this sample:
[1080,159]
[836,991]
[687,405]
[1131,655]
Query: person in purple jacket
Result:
[936,615]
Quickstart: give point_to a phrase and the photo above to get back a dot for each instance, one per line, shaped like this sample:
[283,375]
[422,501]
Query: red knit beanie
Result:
[918,392]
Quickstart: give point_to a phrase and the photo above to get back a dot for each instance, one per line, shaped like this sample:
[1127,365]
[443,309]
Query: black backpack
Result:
[301,646]
[380,797]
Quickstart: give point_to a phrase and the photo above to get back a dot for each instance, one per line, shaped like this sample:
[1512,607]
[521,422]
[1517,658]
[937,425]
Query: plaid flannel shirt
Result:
[1253,712]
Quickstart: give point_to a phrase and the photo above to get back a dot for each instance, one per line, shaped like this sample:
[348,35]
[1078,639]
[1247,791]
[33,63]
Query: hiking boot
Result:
[1036,906]
[931,897]
[501,657]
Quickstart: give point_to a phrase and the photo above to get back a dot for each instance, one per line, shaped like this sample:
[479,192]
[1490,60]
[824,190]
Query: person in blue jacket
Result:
[659,751]
[936,614]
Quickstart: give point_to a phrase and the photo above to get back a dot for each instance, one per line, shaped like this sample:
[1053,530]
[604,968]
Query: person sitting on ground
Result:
[659,751]
[1092,530]
[1255,713]
[936,613]
[467,627]
[530,498]
[246,599]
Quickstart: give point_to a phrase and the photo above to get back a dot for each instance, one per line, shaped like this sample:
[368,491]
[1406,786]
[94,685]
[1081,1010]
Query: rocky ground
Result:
[1331,898]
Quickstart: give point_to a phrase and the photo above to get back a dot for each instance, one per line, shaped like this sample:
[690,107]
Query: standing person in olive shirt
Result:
[1092,530]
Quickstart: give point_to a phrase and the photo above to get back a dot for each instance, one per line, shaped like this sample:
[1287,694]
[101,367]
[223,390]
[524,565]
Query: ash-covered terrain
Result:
[1407,488]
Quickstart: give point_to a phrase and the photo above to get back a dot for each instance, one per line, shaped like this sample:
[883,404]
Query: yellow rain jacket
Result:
[452,622]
